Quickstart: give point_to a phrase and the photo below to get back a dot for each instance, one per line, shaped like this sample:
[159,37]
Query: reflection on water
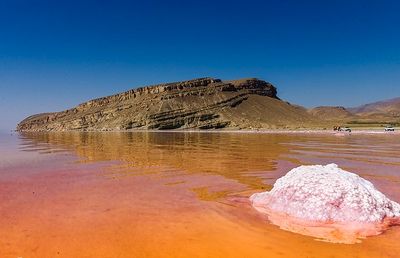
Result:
[247,158]
[186,191]
[240,157]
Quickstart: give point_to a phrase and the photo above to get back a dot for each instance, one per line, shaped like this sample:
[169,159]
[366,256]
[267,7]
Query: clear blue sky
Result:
[57,54]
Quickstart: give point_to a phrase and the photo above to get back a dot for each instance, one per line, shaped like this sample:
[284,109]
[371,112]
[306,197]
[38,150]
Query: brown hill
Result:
[205,103]
[331,113]
[375,114]
[389,108]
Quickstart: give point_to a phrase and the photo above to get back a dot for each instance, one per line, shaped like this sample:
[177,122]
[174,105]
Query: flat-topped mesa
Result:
[253,85]
[205,103]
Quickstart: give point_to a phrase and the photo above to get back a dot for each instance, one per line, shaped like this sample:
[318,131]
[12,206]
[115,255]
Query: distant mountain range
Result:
[389,107]
[205,103]
[386,111]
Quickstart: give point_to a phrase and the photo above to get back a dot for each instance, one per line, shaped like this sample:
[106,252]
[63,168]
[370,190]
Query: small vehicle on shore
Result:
[389,129]
[341,129]
[345,129]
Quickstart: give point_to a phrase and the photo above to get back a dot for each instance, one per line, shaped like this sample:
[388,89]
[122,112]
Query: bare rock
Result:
[205,103]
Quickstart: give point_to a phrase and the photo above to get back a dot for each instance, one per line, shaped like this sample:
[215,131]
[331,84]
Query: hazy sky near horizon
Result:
[57,54]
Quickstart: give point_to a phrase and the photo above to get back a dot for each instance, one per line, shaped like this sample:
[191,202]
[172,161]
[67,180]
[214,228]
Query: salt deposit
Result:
[329,203]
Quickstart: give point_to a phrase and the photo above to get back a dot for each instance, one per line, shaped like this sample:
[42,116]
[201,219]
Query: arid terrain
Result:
[208,103]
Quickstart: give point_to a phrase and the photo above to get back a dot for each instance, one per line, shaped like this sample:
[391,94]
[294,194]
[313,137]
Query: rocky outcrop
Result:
[205,103]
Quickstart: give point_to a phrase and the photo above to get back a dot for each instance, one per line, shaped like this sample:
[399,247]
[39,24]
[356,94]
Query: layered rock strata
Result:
[205,103]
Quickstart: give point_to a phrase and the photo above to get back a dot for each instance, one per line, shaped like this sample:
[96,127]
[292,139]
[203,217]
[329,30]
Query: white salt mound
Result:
[337,205]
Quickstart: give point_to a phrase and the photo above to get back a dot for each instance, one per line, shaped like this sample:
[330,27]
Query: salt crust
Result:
[327,202]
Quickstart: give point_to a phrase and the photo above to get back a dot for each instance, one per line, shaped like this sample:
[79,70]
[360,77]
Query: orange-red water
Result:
[172,194]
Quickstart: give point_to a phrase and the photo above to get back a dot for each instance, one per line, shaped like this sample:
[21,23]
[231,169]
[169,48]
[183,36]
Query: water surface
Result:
[172,194]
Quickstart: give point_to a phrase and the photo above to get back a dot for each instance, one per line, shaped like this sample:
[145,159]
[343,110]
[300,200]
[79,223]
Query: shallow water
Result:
[172,194]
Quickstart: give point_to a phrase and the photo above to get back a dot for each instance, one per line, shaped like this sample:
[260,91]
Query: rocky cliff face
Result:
[205,103]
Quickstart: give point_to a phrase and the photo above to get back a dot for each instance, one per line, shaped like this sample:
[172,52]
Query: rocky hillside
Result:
[373,114]
[389,107]
[205,103]
[331,113]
